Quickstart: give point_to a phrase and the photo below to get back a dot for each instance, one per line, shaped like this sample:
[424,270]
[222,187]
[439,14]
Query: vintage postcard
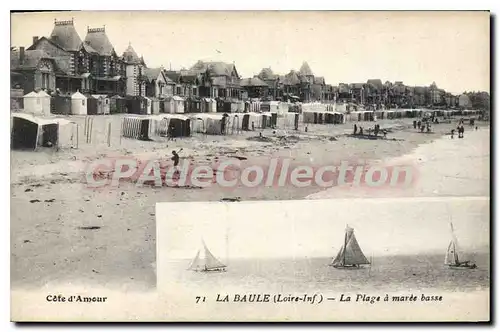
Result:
[250,166]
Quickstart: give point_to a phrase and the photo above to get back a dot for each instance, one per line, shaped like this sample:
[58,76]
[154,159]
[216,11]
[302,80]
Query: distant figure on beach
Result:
[414,124]
[428,127]
[175,158]
[452,133]
[253,126]
[170,132]
[306,129]
[422,127]
[361,130]
[461,131]
[377,128]
[385,133]
[419,124]
[476,127]
[355,129]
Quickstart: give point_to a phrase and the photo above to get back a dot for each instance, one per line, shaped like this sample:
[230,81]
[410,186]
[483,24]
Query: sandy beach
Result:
[63,231]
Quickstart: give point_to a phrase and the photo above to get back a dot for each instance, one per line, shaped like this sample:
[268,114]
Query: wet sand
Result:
[62,231]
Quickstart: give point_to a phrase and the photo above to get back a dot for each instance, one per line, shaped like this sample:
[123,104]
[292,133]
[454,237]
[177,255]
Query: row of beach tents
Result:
[40,103]
[183,125]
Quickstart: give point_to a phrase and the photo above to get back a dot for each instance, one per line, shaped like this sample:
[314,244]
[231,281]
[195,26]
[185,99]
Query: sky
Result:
[418,48]
[315,228]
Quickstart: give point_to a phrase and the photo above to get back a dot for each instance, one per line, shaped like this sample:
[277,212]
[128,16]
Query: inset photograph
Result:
[316,260]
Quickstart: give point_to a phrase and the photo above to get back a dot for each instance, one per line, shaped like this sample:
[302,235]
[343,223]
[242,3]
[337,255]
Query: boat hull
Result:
[348,267]
[211,271]
[462,267]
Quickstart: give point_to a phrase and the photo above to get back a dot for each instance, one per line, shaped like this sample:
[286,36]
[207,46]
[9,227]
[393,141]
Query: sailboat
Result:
[350,255]
[451,259]
[205,261]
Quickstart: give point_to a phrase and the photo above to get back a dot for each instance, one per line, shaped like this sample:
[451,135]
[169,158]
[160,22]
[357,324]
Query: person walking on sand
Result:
[175,158]
[461,132]
[355,129]
[452,133]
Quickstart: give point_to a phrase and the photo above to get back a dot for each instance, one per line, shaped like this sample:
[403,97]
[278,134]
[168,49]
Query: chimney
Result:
[35,39]
[21,55]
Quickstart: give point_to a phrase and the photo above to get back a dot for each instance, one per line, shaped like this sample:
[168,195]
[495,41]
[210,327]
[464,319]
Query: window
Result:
[83,102]
[179,90]
[45,81]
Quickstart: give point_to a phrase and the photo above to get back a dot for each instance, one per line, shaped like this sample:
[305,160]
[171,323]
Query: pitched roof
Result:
[152,73]
[130,56]
[376,83]
[64,34]
[99,41]
[305,70]
[173,75]
[86,46]
[291,78]
[253,81]
[31,59]
[216,68]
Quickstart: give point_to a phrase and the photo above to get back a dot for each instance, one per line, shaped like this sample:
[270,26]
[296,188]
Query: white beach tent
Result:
[33,103]
[31,132]
[178,104]
[78,104]
[45,101]
[148,105]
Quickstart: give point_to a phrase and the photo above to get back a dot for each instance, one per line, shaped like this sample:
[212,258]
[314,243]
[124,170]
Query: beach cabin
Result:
[177,104]
[210,124]
[33,103]
[29,132]
[274,107]
[174,125]
[78,104]
[253,106]
[97,105]
[208,105]
[249,118]
[139,105]
[155,106]
[45,100]
[192,105]
[117,105]
[61,105]
[289,120]
[267,120]
[139,127]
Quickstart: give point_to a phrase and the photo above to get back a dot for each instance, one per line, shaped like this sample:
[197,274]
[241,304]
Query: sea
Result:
[402,273]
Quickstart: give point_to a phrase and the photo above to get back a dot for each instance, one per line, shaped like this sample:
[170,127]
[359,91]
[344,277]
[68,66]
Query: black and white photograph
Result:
[249,152]
[351,251]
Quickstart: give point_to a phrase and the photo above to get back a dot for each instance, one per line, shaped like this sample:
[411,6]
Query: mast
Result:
[345,246]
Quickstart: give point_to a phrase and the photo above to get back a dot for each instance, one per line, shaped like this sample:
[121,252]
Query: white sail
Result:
[451,257]
[350,253]
[205,260]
